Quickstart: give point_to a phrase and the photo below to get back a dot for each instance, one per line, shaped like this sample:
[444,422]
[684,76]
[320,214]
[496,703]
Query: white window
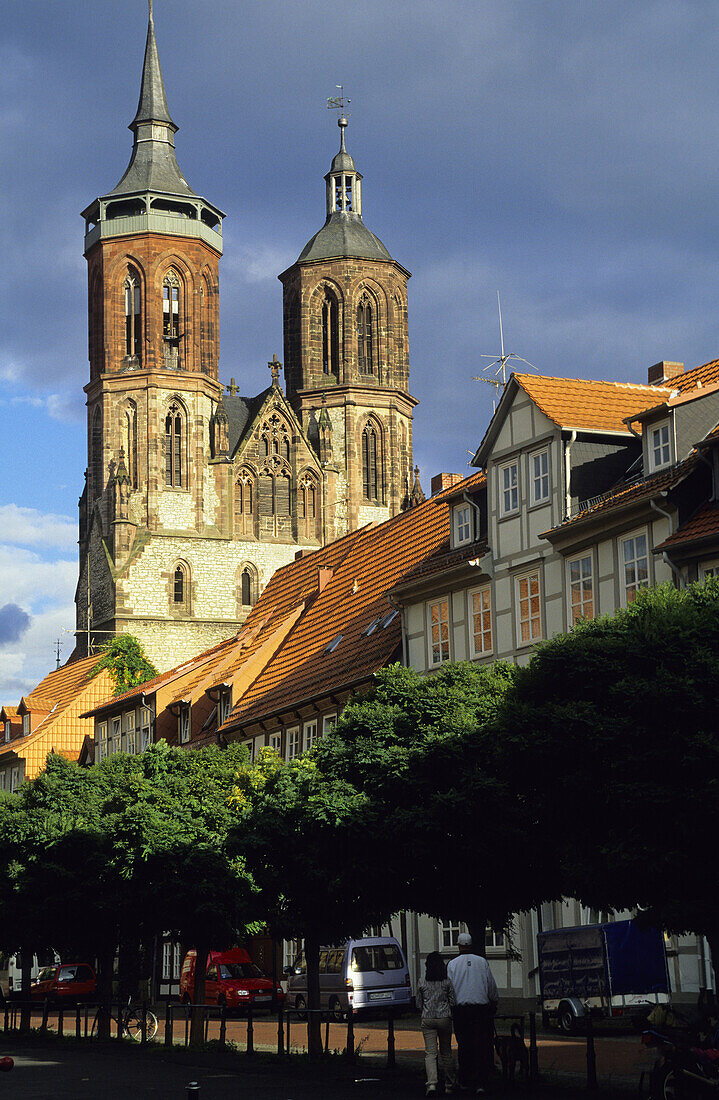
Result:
[492,938]
[275,741]
[14,779]
[101,740]
[184,724]
[8,728]
[26,725]
[145,727]
[508,488]
[539,466]
[116,734]
[166,961]
[462,524]
[480,621]
[328,724]
[225,705]
[176,961]
[2,780]
[130,733]
[310,736]
[709,569]
[529,614]
[250,746]
[634,566]
[581,589]
[438,631]
[293,742]
[661,451]
[449,933]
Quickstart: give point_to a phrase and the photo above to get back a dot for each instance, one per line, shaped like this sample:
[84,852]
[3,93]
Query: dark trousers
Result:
[473,1029]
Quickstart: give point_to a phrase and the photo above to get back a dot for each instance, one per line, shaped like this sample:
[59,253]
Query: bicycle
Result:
[130,1020]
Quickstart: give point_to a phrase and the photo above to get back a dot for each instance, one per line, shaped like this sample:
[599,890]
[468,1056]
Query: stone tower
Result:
[347,357]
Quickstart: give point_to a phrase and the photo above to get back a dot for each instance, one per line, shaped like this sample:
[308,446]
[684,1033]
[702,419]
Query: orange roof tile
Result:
[704,524]
[586,404]
[704,375]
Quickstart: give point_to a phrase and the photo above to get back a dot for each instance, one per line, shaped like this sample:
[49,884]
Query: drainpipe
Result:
[665,557]
[567,474]
[468,500]
[403,622]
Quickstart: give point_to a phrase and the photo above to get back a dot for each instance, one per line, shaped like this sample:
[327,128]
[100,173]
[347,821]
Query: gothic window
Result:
[206,327]
[129,441]
[292,341]
[178,592]
[171,320]
[275,436]
[96,454]
[175,475]
[330,335]
[307,506]
[180,589]
[244,492]
[371,462]
[365,336]
[275,499]
[133,314]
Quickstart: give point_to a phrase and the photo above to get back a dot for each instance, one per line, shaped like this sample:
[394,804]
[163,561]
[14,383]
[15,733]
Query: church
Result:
[195,494]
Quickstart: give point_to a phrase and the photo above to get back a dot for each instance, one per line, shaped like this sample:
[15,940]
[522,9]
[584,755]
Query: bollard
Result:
[533,1051]
[280,1031]
[350,1051]
[43,1022]
[168,1024]
[250,1031]
[390,1042]
[591,1057]
[193,1090]
[78,1022]
[223,1024]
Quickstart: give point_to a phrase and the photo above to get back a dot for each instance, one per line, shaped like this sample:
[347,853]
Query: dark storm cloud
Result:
[14,622]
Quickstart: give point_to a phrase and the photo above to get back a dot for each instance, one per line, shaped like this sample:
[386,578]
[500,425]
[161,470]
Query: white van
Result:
[360,975]
[11,971]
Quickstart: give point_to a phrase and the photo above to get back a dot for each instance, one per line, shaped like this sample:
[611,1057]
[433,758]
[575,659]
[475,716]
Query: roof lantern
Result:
[344,233]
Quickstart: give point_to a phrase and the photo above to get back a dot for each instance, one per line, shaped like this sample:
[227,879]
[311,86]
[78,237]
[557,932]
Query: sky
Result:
[561,152]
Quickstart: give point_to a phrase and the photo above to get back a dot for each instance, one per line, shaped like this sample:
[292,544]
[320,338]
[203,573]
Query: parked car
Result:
[11,971]
[231,979]
[358,975]
[70,982]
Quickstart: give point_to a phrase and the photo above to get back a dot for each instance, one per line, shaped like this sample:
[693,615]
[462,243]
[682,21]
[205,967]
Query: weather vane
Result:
[500,361]
[338,102]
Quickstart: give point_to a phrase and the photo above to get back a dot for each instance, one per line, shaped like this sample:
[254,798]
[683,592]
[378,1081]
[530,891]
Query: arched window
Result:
[371,482]
[365,336]
[244,502]
[180,589]
[129,441]
[307,506]
[171,333]
[96,454]
[275,499]
[175,475]
[207,335]
[275,436]
[330,335]
[133,315]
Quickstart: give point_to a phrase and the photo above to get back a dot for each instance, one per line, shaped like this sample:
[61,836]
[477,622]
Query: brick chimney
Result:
[324,576]
[663,372]
[443,481]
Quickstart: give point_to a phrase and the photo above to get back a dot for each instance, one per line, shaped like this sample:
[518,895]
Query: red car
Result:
[232,979]
[70,982]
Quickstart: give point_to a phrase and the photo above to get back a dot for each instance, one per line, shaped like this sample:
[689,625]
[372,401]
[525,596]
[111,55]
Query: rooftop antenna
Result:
[500,362]
[338,102]
[57,653]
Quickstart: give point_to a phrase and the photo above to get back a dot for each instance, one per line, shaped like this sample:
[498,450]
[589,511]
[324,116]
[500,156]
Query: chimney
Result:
[324,576]
[443,481]
[663,372]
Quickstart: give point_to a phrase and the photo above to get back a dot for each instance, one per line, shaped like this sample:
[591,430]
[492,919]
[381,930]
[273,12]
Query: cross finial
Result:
[275,367]
[232,389]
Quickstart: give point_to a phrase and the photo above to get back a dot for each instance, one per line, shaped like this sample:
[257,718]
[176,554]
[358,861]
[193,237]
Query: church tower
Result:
[347,357]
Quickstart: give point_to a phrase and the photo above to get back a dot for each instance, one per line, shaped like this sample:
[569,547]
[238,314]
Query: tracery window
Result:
[330,335]
[174,443]
[365,336]
[207,335]
[133,314]
[307,506]
[371,481]
[247,589]
[129,442]
[171,320]
[244,494]
[275,499]
[178,591]
[275,436]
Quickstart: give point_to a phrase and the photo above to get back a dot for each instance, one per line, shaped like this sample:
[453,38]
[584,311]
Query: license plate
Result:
[267,998]
[386,996]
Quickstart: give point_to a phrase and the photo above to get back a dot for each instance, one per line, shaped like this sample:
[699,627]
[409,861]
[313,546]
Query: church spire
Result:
[152,105]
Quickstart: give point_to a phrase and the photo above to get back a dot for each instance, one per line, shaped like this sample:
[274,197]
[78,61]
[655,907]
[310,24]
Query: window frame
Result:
[224,705]
[578,558]
[145,728]
[101,740]
[130,729]
[536,501]
[184,724]
[329,721]
[480,589]
[527,575]
[116,739]
[512,488]
[458,524]
[663,445]
[310,739]
[26,724]
[447,599]
[709,569]
[293,740]
[631,536]
[175,447]
[274,741]
[8,730]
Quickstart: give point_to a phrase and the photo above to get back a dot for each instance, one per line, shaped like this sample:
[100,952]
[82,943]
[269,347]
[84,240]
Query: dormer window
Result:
[660,446]
[224,706]
[8,729]
[25,725]
[462,525]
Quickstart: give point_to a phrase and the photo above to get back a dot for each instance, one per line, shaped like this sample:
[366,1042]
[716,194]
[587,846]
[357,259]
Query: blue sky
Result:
[564,153]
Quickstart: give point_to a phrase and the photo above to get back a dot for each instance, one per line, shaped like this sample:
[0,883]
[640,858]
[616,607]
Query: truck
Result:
[604,970]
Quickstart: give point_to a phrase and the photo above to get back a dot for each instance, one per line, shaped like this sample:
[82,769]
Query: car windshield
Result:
[378,957]
[240,970]
[46,974]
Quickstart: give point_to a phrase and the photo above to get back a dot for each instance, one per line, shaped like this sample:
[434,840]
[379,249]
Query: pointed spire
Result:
[152,105]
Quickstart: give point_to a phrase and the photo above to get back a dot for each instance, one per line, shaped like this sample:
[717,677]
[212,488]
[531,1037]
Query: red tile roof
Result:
[584,403]
[704,524]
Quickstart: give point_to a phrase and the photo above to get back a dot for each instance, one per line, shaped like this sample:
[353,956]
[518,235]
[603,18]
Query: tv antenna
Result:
[499,381]
[57,652]
[338,102]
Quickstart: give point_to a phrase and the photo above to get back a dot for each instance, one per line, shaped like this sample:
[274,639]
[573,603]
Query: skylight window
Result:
[389,618]
[333,644]
[371,627]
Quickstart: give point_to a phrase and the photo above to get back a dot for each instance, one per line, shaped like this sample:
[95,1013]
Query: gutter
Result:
[665,556]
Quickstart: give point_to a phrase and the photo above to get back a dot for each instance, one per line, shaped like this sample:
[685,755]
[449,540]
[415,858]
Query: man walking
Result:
[477,997]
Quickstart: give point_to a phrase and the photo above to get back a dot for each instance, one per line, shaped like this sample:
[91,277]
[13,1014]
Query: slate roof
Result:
[704,524]
[241,412]
[343,235]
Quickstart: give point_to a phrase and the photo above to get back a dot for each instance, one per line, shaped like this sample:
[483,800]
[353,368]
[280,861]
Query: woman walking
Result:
[435,1000]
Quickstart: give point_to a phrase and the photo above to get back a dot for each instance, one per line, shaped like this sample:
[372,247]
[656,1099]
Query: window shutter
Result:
[265,495]
[282,488]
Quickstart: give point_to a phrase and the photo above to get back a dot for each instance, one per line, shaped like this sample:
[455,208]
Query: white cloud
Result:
[29,527]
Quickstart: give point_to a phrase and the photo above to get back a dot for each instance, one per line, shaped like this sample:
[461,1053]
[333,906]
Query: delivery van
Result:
[232,980]
[359,975]
[11,971]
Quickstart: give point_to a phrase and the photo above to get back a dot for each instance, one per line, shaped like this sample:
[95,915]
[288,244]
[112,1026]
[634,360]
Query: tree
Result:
[610,738]
[127,663]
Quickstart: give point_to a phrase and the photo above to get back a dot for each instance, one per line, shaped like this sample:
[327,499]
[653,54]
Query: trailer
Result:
[606,970]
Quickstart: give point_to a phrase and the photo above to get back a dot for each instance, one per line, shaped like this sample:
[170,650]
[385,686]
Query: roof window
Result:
[333,644]
[389,618]
[371,627]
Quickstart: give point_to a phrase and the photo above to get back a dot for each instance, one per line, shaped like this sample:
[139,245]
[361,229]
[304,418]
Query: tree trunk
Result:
[314,1024]
[25,979]
[478,931]
[197,1029]
[713,941]
[105,962]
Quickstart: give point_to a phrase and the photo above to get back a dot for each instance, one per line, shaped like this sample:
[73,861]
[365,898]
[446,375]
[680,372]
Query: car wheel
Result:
[664,1084]
[336,1010]
[301,1006]
[567,1020]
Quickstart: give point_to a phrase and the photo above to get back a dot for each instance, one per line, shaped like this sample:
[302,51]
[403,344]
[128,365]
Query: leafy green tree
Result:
[610,738]
[127,663]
